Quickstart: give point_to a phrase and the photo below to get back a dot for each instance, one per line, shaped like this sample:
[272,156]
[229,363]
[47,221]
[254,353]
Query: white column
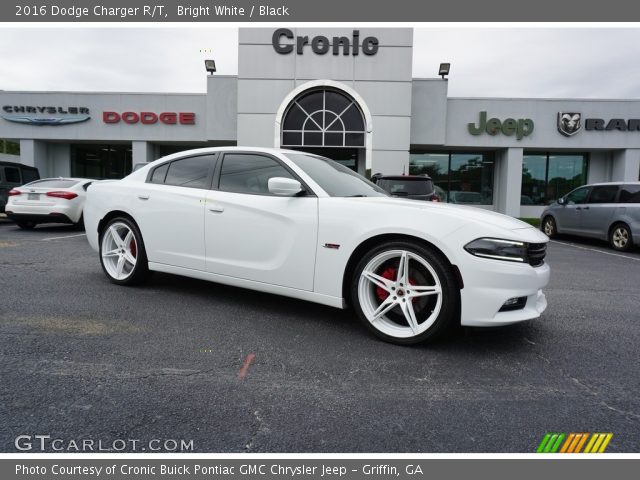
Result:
[625,165]
[142,152]
[509,181]
[34,153]
[599,166]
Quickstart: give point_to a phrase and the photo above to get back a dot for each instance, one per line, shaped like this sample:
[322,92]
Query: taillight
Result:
[435,198]
[65,195]
[13,193]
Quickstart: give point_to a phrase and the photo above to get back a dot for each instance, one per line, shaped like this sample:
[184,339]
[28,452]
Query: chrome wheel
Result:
[620,237]
[119,250]
[549,227]
[400,293]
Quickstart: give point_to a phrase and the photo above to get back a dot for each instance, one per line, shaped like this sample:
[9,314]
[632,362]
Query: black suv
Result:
[13,175]
[415,187]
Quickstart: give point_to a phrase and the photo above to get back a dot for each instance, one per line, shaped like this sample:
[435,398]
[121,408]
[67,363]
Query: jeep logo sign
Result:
[284,41]
[522,127]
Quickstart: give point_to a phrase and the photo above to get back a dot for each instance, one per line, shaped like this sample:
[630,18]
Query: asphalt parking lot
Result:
[239,371]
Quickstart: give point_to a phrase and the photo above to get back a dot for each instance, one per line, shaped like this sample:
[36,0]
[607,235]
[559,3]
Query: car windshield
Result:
[53,183]
[406,186]
[335,179]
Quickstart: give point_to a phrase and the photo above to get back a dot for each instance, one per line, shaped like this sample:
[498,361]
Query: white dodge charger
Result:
[303,226]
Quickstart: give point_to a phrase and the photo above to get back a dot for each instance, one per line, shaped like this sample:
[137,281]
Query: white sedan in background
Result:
[49,200]
[303,226]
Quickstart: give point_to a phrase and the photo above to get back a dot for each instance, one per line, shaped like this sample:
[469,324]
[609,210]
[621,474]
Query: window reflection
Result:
[534,179]
[100,161]
[459,177]
[546,177]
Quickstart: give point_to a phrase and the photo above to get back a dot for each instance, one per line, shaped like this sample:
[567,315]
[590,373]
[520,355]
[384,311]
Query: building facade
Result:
[348,94]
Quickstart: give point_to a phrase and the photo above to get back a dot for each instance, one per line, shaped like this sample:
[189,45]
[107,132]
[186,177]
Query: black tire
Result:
[620,237]
[79,225]
[447,318]
[549,227]
[26,225]
[140,271]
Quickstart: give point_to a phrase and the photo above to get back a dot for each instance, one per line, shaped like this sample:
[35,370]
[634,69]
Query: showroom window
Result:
[100,161]
[459,177]
[548,176]
[9,147]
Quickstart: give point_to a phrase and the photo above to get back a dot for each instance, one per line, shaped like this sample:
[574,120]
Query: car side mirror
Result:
[285,187]
[562,201]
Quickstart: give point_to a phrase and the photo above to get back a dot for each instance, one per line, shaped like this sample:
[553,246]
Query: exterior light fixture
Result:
[210,65]
[443,71]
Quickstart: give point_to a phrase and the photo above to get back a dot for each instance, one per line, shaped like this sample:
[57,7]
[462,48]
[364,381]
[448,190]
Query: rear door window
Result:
[192,172]
[630,194]
[603,194]
[29,175]
[159,174]
[12,175]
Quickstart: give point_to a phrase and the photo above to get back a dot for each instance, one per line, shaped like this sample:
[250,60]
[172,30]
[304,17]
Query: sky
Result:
[485,62]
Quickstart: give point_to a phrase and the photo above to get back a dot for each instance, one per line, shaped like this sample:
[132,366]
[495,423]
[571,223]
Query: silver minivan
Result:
[607,211]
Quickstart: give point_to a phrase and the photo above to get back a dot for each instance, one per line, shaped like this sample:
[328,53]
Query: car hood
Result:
[462,212]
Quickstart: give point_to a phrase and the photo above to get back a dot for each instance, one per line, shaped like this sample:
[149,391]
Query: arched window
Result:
[323,118]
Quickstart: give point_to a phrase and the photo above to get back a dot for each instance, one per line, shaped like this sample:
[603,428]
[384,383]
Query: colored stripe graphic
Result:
[573,442]
[568,442]
[581,442]
[543,443]
[550,443]
[598,443]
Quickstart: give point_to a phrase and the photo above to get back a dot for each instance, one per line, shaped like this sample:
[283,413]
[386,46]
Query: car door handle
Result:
[143,197]
[216,208]
[586,208]
[578,208]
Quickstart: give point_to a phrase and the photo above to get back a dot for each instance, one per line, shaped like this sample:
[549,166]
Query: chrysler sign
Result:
[45,115]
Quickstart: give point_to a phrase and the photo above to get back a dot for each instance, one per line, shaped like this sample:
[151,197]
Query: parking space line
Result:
[66,236]
[595,250]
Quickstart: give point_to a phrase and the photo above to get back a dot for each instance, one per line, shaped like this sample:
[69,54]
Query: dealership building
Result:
[348,94]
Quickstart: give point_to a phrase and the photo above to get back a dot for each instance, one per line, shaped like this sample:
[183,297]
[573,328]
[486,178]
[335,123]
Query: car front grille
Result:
[536,253]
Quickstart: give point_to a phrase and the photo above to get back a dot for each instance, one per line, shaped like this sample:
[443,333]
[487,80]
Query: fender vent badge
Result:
[334,246]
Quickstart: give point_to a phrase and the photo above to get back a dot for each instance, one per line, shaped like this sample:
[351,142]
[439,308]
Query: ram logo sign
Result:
[569,123]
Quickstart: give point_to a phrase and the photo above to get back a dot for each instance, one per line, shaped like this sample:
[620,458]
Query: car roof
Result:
[404,177]
[63,178]
[71,179]
[613,183]
[16,164]
[205,150]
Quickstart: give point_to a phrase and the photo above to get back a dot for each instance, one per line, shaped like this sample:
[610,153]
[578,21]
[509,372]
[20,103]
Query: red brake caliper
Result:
[132,247]
[390,274]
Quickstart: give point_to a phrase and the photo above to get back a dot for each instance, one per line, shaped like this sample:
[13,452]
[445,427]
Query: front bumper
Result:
[488,284]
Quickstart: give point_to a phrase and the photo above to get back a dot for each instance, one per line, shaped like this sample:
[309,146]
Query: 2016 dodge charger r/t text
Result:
[303,226]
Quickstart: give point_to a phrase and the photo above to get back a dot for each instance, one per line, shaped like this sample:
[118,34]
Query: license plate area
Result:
[33,196]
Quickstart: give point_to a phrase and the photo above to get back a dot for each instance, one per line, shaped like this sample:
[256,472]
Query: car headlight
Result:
[498,249]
